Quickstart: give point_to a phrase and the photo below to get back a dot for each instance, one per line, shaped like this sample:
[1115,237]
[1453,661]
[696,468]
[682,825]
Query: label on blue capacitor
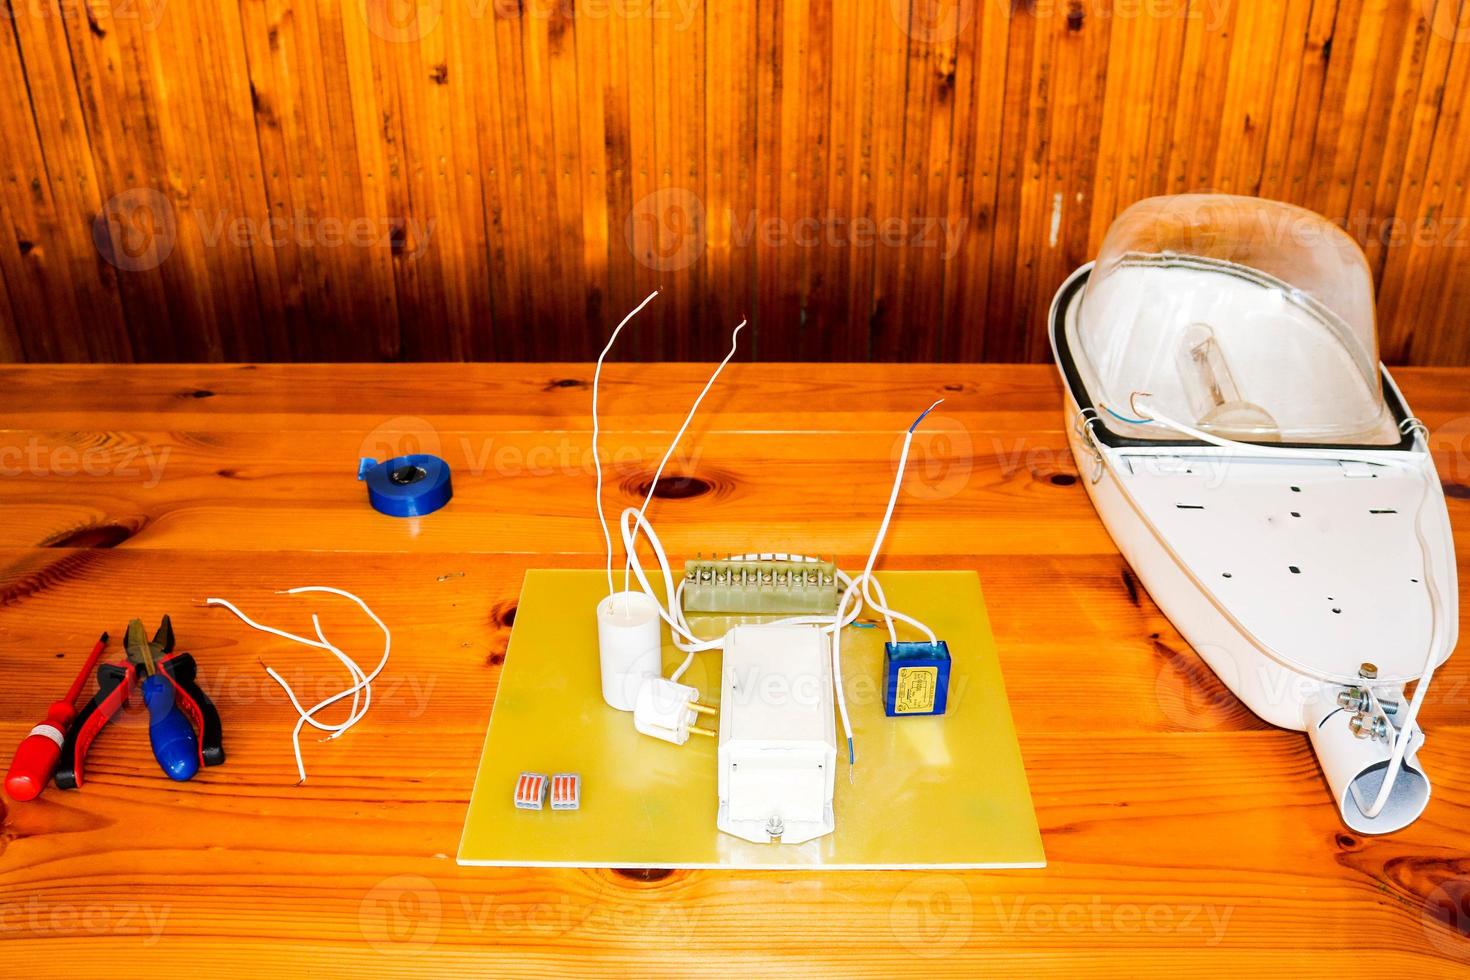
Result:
[915,690]
[406,486]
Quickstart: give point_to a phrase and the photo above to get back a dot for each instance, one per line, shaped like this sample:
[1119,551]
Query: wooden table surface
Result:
[1181,831]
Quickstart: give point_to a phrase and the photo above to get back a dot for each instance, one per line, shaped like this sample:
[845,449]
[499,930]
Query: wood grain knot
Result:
[1347,842]
[503,615]
[496,659]
[944,77]
[672,486]
[1457,490]
[64,569]
[1173,657]
[1131,584]
[644,876]
[565,383]
[108,535]
[1062,479]
[26,247]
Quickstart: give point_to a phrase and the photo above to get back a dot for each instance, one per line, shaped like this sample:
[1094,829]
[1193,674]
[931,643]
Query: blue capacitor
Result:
[916,678]
[406,486]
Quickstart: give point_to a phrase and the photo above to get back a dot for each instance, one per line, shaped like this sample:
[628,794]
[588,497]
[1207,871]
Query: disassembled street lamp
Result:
[1259,469]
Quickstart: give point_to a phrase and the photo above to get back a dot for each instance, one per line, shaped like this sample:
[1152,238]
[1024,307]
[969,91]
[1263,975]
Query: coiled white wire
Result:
[361,690]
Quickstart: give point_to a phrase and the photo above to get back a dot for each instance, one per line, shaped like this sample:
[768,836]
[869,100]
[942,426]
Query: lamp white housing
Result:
[1299,538]
[778,737]
[1355,766]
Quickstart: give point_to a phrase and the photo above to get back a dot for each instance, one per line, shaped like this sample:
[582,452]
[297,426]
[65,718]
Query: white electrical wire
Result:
[596,456]
[1402,734]
[671,612]
[673,444]
[673,616]
[631,522]
[837,686]
[868,582]
[362,682]
[1405,460]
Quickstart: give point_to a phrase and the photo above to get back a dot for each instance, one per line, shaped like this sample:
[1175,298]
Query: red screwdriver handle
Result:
[35,758]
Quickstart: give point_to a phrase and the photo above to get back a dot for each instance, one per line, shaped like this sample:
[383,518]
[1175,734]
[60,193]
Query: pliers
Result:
[115,684]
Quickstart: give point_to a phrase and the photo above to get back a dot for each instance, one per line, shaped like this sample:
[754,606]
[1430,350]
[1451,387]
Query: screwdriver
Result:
[35,757]
[175,745]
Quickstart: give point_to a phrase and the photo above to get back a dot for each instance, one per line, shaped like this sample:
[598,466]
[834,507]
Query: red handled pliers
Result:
[115,684]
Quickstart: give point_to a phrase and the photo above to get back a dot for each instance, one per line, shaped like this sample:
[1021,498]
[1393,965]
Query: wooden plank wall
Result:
[501,179]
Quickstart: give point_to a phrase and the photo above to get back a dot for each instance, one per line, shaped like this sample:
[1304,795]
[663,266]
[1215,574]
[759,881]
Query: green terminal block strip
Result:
[776,586]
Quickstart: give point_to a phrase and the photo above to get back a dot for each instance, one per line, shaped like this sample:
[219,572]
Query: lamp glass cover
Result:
[1246,318]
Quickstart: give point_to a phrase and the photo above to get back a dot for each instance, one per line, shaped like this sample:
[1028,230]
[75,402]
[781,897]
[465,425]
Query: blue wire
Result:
[1123,418]
[850,756]
[923,413]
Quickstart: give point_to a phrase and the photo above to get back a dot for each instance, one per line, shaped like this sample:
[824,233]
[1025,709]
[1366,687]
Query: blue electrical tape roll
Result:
[406,486]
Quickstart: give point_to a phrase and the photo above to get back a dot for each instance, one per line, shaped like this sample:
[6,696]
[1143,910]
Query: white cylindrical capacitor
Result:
[629,642]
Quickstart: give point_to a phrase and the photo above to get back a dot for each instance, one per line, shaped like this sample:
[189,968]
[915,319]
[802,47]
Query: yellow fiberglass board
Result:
[927,792]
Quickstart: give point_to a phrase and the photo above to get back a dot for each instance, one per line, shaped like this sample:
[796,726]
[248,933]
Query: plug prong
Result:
[696,730]
[704,709]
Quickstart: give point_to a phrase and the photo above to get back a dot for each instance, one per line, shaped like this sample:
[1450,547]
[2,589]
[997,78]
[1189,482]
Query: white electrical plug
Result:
[668,710]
